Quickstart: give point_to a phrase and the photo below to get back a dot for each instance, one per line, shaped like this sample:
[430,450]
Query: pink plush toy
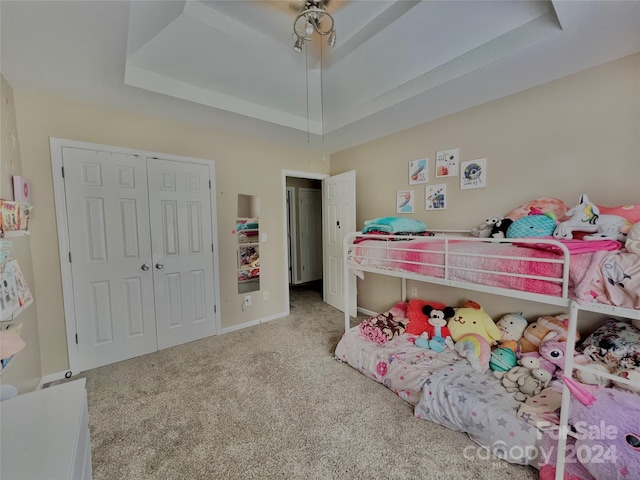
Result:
[553,357]
[607,439]
[554,353]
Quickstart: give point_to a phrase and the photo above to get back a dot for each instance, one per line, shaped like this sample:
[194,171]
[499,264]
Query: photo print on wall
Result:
[447,163]
[404,201]
[473,174]
[436,197]
[418,171]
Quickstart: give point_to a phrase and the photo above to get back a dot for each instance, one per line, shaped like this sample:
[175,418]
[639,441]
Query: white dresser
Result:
[45,434]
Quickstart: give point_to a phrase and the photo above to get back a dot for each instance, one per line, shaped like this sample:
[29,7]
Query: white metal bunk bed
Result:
[445,265]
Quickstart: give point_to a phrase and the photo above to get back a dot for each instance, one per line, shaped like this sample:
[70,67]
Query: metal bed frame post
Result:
[345,283]
[566,394]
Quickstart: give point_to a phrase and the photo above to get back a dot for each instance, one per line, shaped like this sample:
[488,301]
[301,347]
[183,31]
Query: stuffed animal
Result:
[484,230]
[473,332]
[532,226]
[510,378]
[502,360]
[544,328]
[554,352]
[632,243]
[512,327]
[476,350]
[499,230]
[532,384]
[526,379]
[471,318]
[585,217]
[544,363]
[418,320]
[605,420]
[437,337]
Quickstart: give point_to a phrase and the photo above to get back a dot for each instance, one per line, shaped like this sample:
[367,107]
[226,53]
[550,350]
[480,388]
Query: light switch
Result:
[263,237]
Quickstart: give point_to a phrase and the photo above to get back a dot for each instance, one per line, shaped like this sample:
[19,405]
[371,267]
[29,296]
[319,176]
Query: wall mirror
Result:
[248,233]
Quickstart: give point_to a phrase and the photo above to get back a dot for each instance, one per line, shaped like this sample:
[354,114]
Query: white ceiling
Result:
[230,64]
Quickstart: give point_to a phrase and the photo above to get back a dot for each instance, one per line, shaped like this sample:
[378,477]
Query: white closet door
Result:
[180,211]
[109,235]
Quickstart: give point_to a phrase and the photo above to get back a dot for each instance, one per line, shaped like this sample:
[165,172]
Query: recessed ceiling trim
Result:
[393,12]
[235,29]
[537,30]
[155,82]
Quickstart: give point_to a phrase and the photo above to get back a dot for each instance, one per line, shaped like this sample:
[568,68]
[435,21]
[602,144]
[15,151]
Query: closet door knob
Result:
[159,266]
[145,267]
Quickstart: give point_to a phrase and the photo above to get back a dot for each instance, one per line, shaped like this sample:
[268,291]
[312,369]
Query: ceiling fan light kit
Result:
[314,17]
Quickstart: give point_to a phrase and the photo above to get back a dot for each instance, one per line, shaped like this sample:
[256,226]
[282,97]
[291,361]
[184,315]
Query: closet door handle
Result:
[159,266]
[145,266]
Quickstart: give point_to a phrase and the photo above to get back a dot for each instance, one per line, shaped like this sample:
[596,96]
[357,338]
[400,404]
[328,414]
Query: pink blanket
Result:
[498,265]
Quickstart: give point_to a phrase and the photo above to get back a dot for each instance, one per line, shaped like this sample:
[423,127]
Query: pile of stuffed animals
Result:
[525,356]
[468,330]
[548,217]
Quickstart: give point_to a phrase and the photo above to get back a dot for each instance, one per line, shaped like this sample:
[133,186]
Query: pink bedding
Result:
[398,364]
[515,267]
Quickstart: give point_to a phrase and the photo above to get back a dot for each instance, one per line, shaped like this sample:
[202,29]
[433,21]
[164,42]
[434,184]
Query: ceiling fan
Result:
[312,16]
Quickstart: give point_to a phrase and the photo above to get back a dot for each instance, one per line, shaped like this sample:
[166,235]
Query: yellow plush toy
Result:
[473,319]
[474,332]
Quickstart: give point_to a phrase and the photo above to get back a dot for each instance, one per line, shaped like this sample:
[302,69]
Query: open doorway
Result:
[304,237]
[337,210]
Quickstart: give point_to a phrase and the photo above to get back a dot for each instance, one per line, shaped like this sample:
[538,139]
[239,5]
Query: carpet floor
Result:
[266,402]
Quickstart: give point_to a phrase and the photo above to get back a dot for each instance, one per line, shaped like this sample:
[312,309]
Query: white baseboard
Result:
[367,312]
[253,322]
[54,377]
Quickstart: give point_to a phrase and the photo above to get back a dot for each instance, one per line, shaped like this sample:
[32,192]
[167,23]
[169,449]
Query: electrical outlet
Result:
[414,292]
[265,295]
[247,300]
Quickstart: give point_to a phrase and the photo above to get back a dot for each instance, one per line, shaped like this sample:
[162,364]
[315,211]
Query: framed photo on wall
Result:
[473,174]
[404,201]
[447,163]
[418,171]
[436,197]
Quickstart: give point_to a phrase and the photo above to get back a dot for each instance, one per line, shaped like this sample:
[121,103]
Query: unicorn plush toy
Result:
[585,217]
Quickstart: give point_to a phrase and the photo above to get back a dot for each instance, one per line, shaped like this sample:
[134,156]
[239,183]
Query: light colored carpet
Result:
[265,402]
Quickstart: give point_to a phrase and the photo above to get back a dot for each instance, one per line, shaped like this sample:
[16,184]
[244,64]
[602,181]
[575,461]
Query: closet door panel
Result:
[110,239]
[180,212]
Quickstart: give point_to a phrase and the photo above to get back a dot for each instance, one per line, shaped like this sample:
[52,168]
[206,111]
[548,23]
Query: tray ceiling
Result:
[396,64]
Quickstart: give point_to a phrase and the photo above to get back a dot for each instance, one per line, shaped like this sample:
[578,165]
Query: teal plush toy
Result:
[502,360]
[533,226]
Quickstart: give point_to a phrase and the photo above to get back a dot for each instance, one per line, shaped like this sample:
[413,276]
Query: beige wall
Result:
[243,165]
[580,134]
[25,371]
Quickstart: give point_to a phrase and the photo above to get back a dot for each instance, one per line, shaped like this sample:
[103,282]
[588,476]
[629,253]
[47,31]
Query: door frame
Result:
[297,174]
[292,226]
[56,145]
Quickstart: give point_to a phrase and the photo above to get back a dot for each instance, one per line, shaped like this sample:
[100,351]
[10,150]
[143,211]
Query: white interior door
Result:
[180,211]
[339,219]
[310,234]
[110,254]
